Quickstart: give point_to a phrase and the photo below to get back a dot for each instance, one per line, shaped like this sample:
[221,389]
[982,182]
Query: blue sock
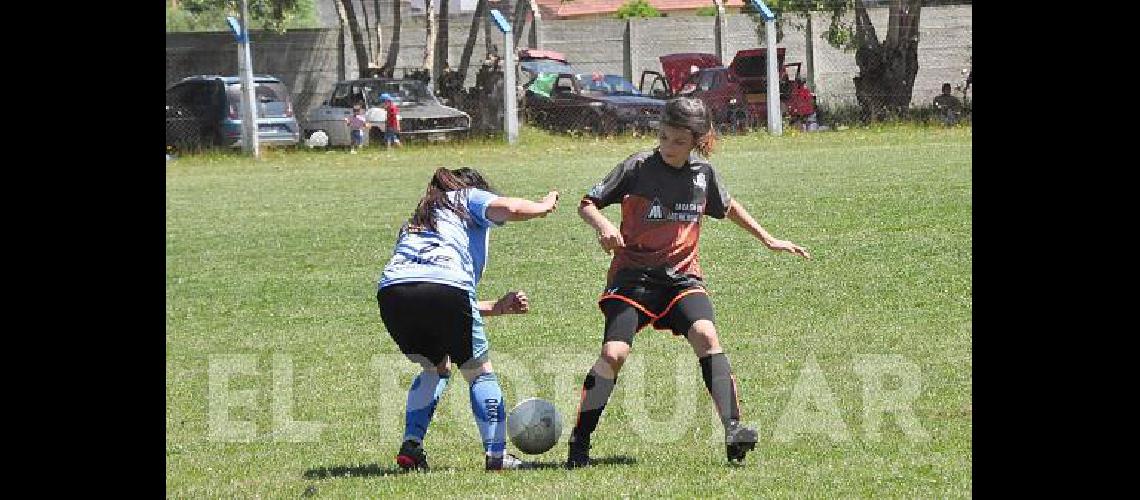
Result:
[426,390]
[487,406]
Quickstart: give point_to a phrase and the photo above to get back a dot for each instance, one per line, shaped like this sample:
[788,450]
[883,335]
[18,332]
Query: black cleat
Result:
[739,440]
[412,456]
[579,452]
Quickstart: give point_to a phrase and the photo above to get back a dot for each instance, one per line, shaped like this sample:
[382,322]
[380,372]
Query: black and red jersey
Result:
[661,209]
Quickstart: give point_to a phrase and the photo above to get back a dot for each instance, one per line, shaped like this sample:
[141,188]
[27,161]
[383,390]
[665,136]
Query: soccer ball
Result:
[534,426]
[318,139]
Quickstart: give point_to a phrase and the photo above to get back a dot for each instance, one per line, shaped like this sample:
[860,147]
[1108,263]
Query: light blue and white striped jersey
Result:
[455,254]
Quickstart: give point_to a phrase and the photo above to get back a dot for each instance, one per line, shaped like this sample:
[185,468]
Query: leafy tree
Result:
[636,8]
[887,66]
[210,15]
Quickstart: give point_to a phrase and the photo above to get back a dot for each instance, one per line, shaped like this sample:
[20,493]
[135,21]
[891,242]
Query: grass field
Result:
[281,381]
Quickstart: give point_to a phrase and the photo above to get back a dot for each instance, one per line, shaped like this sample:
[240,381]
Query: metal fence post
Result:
[510,106]
[775,120]
[810,54]
[627,50]
[719,30]
[249,139]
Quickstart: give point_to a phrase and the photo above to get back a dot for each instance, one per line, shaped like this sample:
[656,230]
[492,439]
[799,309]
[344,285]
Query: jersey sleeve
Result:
[717,197]
[615,186]
[477,203]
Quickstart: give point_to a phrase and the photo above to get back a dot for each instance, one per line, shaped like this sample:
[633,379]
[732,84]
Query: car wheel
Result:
[605,125]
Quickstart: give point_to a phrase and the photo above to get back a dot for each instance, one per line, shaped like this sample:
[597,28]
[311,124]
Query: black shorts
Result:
[628,309]
[431,321]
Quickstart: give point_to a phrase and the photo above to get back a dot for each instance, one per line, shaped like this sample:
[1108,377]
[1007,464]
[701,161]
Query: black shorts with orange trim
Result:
[666,304]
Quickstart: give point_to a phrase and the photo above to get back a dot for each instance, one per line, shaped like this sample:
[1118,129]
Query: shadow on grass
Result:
[394,470]
[356,471]
[594,462]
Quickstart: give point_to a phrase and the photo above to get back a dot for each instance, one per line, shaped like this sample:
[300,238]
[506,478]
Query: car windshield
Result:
[273,100]
[402,92]
[605,84]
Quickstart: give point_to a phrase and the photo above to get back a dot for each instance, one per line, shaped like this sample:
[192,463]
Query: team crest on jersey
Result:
[699,180]
[655,211]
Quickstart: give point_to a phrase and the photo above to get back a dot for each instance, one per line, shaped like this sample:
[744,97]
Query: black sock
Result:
[596,392]
[722,386]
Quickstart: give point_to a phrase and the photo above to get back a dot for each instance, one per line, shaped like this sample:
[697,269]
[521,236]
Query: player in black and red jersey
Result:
[655,277]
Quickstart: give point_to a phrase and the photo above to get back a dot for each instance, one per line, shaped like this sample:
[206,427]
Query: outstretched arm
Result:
[737,214]
[505,209]
[511,303]
[608,236]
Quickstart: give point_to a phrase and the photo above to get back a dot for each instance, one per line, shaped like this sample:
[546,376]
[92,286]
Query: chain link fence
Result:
[609,76]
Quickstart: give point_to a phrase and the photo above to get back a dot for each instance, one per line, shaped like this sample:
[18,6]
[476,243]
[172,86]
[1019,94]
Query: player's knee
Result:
[443,368]
[614,355]
[475,368]
[702,335]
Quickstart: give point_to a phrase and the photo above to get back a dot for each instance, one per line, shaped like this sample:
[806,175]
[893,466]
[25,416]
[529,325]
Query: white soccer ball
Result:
[534,426]
[318,139]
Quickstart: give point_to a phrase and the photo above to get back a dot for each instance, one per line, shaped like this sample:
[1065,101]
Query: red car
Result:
[736,93]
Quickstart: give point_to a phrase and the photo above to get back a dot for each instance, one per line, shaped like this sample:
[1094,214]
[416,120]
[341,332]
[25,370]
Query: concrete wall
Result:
[310,61]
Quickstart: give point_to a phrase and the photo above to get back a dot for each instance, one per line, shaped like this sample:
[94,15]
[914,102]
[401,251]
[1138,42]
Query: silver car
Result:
[421,114]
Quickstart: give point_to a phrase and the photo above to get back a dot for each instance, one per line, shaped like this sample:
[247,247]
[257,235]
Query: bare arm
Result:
[505,209]
[608,236]
[511,303]
[740,216]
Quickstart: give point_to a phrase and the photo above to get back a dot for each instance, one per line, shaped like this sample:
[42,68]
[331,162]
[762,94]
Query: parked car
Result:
[734,93]
[604,104]
[206,111]
[421,115]
[533,62]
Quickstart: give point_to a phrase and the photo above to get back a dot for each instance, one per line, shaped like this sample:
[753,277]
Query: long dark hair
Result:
[442,181]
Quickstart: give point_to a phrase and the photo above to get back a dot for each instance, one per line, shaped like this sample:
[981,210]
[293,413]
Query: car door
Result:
[182,127]
[330,115]
[658,87]
[717,93]
[565,108]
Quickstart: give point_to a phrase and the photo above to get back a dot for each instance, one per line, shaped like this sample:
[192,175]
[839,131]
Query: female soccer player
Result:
[654,277]
[426,295]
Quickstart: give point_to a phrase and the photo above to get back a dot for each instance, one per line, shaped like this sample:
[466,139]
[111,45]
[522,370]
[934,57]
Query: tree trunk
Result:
[441,52]
[469,47]
[518,20]
[887,70]
[487,34]
[361,50]
[430,40]
[368,34]
[379,32]
[389,68]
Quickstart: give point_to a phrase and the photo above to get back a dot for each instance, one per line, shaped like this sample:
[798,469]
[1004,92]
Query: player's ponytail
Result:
[442,181]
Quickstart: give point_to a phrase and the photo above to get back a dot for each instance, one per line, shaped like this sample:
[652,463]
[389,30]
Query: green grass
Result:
[279,257]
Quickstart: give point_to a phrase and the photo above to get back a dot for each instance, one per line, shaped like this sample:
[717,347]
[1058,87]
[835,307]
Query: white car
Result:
[421,114]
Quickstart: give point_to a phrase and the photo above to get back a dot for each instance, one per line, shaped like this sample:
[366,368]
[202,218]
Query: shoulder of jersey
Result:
[638,157]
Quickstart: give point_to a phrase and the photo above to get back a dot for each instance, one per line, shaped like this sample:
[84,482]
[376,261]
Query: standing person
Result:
[654,277]
[427,301]
[391,121]
[356,127]
[948,105]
